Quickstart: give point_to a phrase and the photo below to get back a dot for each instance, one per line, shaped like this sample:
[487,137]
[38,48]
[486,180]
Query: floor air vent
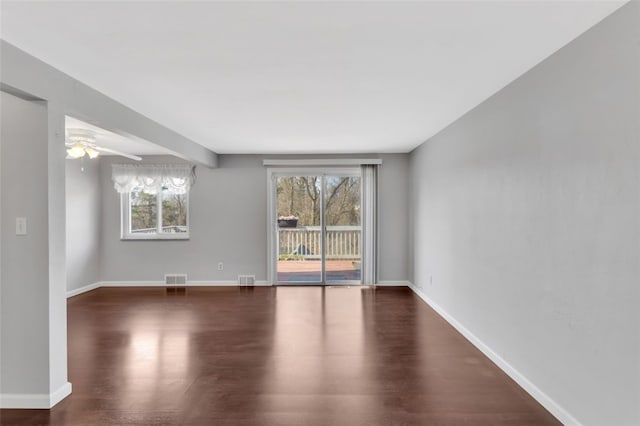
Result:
[175,279]
[176,283]
[246,280]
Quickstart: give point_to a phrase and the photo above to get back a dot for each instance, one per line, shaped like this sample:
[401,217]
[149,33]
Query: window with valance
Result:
[154,199]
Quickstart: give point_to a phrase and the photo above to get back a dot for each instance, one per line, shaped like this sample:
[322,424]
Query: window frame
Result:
[125,221]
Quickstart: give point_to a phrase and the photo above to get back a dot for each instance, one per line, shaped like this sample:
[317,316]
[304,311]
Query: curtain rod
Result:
[322,162]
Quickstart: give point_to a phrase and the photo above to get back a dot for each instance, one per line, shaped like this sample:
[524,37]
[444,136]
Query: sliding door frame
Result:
[272,226]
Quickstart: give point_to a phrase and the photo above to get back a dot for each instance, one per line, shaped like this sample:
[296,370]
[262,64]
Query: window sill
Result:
[154,238]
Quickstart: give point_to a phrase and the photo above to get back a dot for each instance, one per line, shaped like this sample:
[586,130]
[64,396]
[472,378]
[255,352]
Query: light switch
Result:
[21,226]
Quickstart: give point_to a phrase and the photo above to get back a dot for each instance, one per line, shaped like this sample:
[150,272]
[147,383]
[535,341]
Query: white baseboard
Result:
[57,396]
[132,284]
[84,289]
[204,283]
[552,406]
[258,283]
[25,400]
[392,283]
[34,401]
[77,291]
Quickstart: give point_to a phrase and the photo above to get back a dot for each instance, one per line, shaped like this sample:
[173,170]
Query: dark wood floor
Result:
[275,356]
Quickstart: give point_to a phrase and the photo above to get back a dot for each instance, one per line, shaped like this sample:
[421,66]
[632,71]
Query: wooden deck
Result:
[309,270]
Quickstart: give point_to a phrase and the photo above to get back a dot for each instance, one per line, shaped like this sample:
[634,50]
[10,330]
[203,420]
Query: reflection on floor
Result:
[309,270]
[275,356]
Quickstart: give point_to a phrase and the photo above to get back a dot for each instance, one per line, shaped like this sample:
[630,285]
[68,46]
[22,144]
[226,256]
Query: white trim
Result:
[545,400]
[272,242]
[35,400]
[321,162]
[202,283]
[182,236]
[133,284]
[272,228]
[393,283]
[60,394]
[260,283]
[84,289]
[25,400]
[218,283]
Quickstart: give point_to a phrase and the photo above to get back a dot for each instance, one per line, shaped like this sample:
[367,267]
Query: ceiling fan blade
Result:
[113,151]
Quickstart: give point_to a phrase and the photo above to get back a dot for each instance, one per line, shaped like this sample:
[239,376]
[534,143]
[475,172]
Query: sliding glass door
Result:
[317,233]
[299,240]
[342,229]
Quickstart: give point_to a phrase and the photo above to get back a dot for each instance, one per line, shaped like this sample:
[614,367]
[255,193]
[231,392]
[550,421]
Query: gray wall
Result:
[526,216]
[28,77]
[84,222]
[24,313]
[228,220]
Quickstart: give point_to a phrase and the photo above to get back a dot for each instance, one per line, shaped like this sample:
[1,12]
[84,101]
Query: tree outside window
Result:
[164,213]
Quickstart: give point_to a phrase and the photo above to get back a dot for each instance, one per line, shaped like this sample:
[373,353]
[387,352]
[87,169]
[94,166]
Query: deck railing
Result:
[304,242]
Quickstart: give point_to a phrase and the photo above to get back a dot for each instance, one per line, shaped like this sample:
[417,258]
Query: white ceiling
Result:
[298,77]
[122,143]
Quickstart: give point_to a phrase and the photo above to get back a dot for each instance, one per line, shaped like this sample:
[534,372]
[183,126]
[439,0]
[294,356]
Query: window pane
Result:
[342,201]
[299,234]
[174,212]
[144,213]
[343,233]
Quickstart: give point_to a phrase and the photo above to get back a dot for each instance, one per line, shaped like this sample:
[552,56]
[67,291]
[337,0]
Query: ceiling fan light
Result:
[76,151]
[92,153]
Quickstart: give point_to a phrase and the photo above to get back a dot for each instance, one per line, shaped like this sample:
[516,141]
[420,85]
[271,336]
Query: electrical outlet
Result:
[220,266]
[430,279]
[21,226]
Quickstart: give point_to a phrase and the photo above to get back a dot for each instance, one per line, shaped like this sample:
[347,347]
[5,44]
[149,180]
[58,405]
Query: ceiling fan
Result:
[81,142]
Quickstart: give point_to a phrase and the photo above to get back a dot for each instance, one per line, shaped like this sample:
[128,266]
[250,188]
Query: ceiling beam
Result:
[21,73]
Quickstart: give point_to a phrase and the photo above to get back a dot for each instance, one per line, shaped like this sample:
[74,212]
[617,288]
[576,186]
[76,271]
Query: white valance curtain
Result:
[152,178]
[369,224]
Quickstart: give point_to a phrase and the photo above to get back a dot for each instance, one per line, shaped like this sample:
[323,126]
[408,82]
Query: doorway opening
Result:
[317,226]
